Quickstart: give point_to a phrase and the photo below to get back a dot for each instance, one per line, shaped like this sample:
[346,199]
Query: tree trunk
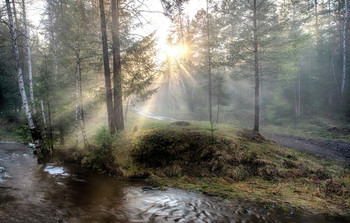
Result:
[43,113]
[53,42]
[295,99]
[76,100]
[79,112]
[209,67]
[256,69]
[117,78]
[333,73]
[29,60]
[126,109]
[81,107]
[331,62]
[299,94]
[217,112]
[316,17]
[107,72]
[34,131]
[15,13]
[345,38]
[61,134]
[50,126]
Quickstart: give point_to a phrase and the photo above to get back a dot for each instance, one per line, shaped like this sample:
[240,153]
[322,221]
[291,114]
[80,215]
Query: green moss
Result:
[14,131]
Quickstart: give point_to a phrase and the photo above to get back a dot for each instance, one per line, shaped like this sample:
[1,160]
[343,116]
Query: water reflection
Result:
[67,193]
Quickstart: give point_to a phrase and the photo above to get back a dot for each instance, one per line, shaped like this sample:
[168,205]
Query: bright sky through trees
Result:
[155,20]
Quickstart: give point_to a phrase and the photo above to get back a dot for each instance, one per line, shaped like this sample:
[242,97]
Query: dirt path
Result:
[325,149]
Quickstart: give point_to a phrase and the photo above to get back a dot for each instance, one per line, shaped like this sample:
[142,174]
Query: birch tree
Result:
[29,58]
[34,131]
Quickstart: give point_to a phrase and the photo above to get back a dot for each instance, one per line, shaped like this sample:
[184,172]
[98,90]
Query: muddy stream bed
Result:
[32,192]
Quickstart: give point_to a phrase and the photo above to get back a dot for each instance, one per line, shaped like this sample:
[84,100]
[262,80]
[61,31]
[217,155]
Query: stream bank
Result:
[53,192]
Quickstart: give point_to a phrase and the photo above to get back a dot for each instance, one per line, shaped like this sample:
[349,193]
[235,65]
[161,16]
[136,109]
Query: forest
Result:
[137,88]
[257,62]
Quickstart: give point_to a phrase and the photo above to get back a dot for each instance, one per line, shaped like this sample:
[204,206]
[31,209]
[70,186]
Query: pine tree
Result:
[254,25]
[107,72]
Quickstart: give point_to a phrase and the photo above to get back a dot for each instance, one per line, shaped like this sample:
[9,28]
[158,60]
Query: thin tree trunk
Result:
[79,112]
[14,13]
[43,113]
[50,126]
[117,78]
[331,63]
[107,72]
[333,73]
[81,108]
[29,58]
[126,109]
[299,93]
[209,66]
[34,132]
[256,69]
[316,16]
[346,17]
[61,135]
[77,119]
[53,42]
[295,100]
[217,112]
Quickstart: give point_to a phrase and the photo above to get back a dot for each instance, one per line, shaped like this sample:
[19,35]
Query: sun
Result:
[175,51]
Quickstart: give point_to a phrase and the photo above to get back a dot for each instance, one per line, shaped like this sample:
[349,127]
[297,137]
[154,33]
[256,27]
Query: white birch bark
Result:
[29,58]
[14,13]
[43,112]
[18,68]
[346,17]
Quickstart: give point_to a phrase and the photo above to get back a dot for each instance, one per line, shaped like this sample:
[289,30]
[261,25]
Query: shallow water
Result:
[31,192]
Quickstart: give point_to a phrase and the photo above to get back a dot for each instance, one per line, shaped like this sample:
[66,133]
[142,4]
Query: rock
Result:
[181,123]
[146,188]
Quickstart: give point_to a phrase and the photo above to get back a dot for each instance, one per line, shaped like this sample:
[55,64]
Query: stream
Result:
[32,192]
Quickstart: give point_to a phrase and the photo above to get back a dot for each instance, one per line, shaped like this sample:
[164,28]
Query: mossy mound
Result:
[176,152]
[194,152]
